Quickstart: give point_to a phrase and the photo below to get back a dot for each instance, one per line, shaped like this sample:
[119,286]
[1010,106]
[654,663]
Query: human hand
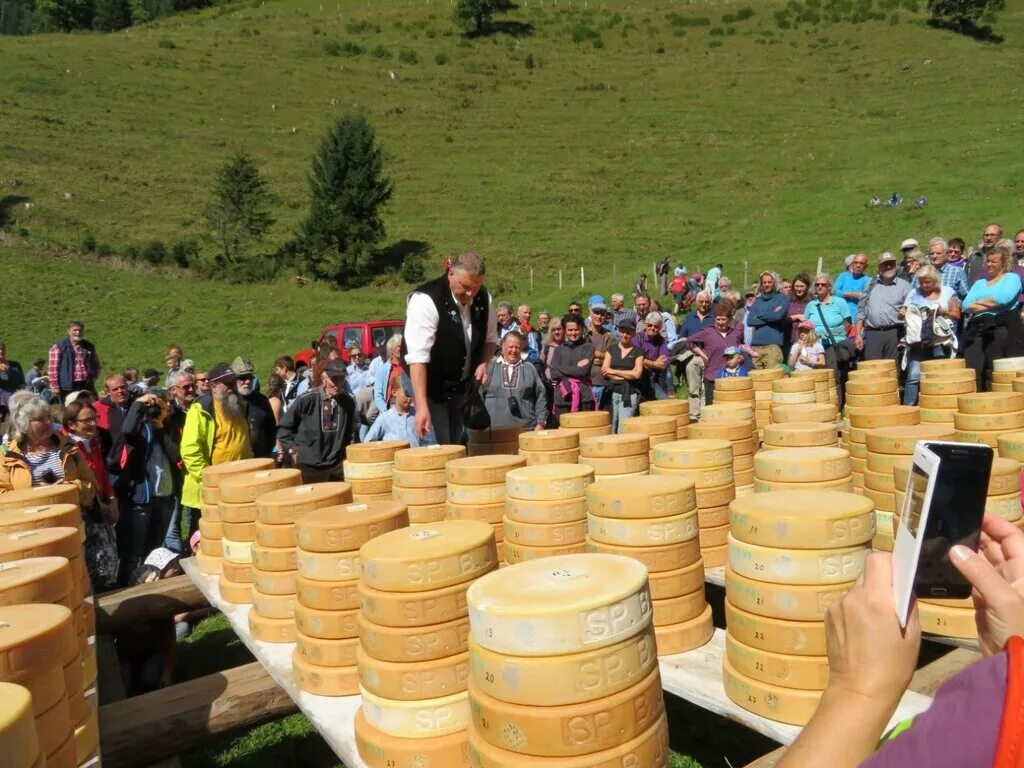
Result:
[539,428]
[858,342]
[583,363]
[869,656]
[662,360]
[480,374]
[996,573]
[422,421]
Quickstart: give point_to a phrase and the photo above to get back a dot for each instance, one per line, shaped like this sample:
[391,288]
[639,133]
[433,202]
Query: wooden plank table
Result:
[332,716]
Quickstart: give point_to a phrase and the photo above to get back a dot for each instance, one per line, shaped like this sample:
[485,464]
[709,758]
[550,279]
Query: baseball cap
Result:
[908,244]
[335,368]
[886,257]
[223,373]
[805,325]
[730,351]
[75,395]
[627,319]
[597,302]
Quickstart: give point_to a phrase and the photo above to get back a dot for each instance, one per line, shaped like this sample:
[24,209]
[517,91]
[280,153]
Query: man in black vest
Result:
[450,335]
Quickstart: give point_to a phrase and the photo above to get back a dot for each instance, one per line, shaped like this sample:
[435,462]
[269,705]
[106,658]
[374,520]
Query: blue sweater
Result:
[768,316]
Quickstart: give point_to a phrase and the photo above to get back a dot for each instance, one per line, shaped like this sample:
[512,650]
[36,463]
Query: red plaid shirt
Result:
[79,373]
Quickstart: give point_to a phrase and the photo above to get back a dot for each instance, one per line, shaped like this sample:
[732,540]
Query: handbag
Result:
[474,412]
[843,352]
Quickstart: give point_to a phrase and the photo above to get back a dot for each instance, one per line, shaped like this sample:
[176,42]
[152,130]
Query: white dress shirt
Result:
[421,328]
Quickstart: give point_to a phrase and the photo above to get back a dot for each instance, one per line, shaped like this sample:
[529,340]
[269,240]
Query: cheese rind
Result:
[329,566]
[367,471]
[287,504]
[569,730]
[552,535]
[33,637]
[802,465]
[801,638]
[36,580]
[680,581]
[245,488]
[19,743]
[834,565]
[419,718]
[686,635]
[40,516]
[708,477]
[795,602]
[323,680]
[549,440]
[625,465]
[62,541]
[381,750]
[271,630]
[410,681]
[839,484]
[640,532]
[668,557]
[482,470]
[522,553]
[676,610]
[795,519]
[415,643]
[322,652]
[809,673]
[657,496]
[413,609]
[649,425]
[542,512]
[785,705]
[347,527]
[902,440]
[614,446]
[428,457]
[549,482]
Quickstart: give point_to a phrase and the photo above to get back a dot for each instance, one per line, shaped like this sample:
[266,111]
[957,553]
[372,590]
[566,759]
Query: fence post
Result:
[559,278]
[583,280]
[819,266]
[531,279]
[745,283]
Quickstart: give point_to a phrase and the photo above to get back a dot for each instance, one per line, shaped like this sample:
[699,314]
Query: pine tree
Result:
[348,189]
[964,13]
[474,15]
[239,211]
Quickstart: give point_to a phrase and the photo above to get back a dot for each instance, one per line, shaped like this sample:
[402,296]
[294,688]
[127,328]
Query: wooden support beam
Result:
[139,731]
[156,600]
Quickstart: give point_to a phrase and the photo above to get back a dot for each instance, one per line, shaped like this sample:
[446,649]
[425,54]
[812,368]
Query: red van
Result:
[370,336]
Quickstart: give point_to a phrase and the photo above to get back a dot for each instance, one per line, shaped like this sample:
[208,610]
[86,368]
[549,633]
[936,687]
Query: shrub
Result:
[105,250]
[688,21]
[332,48]
[166,42]
[155,252]
[581,33]
[380,52]
[412,269]
[408,56]
[529,62]
[185,252]
[132,253]
[89,244]
[744,13]
[441,59]
[348,48]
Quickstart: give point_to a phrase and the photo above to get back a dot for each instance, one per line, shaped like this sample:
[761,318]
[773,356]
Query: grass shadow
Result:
[290,742]
[7,205]
[390,257]
[504,27]
[211,647]
[967,29]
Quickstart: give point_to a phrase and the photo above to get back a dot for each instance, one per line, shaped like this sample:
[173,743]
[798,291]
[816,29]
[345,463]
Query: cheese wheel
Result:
[476,494]
[991,403]
[420,496]
[794,602]
[419,478]
[686,635]
[733,396]
[428,513]
[883,500]
[369,486]
[235,592]
[407,644]
[238,531]
[87,735]
[871,386]
[793,398]
[445,553]
[210,496]
[326,624]
[858,451]
[657,559]
[324,595]
[208,565]
[323,680]
[534,458]
[944,402]
[720,430]
[38,496]
[428,457]
[765,375]
[237,551]
[31,638]
[800,434]
[680,581]
[902,440]
[54,729]
[713,536]
[982,422]
[775,702]
[487,513]
[801,638]
[347,527]
[215,474]
[657,496]
[412,609]
[240,572]
[809,673]
[833,565]
[948,387]
[269,630]
[565,679]
[74,674]
[274,558]
[793,384]
[649,425]
[211,529]
[1011,445]
[1007,506]
[684,607]
[210,511]
[244,512]
[549,482]
[329,566]
[521,553]
[569,730]
[734,384]
[410,681]
[879,481]
[883,416]
[615,446]
[541,535]
[326,653]
[89,668]
[18,740]
[947,621]
[626,465]
[287,504]
[46,684]
[245,488]
[802,465]
[372,453]
[823,520]
[710,477]
[694,454]
[549,440]
[715,497]
[727,412]
[944,364]
[417,719]
[274,582]
[273,606]
[381,750]
[563,604]
[368,471]
[1008,364]
[37,580]
[713,517]
[883,463]
[1005,477]
[840,484]
[641,532]
[40,542]
[212,548]
[859,401]
[804,412]
[482,470]
[40,516]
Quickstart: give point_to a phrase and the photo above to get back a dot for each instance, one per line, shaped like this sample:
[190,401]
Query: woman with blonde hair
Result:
[931,311]
[993,329]
[808,352]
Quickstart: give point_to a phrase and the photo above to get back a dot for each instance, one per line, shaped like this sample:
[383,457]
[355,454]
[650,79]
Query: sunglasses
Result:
[91,420]
[202,381]
[821,285]
[244,378]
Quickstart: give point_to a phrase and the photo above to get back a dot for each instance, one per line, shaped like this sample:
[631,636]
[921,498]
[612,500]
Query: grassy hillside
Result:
[733,140]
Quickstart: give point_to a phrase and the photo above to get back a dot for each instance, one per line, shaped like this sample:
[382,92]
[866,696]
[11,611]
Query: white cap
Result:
[908,244]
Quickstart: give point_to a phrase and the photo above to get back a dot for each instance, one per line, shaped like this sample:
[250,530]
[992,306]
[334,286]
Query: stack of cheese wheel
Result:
[940,389]
[863,419]
[537,628]
[413,655]
[658,429]
[1011,446]
[211,533]
[476,489]
[670,407]
[274,556]
[791,555]
[739,389]
[49,580]
[326,634]
[550,446]
[885,447]
[656,522]
[743,443]
[708,464]
[614,456]
[825,390]
[802,469]
[762,379]
[982,417]
[236,508]
[420,481]
[875,388]
[561,487]
[36,641]
[1006,371]
[485,442]
[587,423]
[19,743]
[368,468]
[792,390]
[800,434]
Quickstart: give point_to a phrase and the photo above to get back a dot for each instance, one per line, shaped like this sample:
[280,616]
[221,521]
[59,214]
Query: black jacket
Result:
[139,438]
[262,425]
[302,428]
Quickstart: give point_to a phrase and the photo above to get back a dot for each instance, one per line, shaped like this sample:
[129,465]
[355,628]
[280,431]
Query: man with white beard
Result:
[216,431]
[262,424]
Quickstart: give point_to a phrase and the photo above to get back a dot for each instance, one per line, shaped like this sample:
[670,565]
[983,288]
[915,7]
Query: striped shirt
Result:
[45,467]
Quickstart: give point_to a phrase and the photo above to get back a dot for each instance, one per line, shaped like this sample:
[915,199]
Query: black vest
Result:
[448,355]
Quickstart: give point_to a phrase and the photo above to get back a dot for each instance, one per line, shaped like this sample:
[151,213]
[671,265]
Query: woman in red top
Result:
[79,422]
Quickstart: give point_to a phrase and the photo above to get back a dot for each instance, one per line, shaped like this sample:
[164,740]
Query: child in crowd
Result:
[808,352]
[735,364]
[399,421]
